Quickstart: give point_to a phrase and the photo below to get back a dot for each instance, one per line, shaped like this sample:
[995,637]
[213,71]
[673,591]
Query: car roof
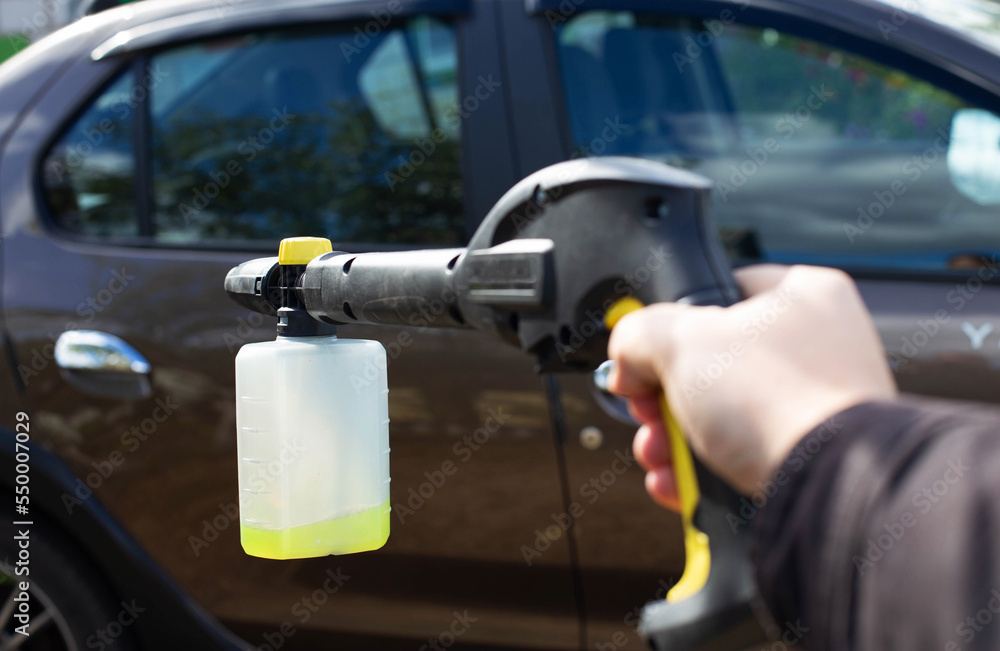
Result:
[980,19]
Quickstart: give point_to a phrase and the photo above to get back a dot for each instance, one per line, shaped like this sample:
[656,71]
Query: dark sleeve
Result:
[883,530]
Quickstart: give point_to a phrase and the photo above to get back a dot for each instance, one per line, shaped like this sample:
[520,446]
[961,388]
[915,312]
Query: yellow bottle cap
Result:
[302,250]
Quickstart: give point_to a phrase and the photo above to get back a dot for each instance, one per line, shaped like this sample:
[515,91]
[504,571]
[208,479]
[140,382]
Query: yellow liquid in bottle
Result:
[358,532]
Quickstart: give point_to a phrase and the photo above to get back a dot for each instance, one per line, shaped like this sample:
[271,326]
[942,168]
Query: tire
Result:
[70,605]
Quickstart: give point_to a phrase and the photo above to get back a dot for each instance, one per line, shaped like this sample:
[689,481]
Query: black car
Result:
[146,150]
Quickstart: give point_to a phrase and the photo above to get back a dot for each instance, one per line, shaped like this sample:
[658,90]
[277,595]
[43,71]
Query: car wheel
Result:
[70,607]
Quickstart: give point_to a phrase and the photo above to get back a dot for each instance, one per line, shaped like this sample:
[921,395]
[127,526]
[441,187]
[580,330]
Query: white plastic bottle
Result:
[312,418]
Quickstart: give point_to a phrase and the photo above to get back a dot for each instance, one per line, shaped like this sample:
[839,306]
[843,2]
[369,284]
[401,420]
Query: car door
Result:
[185,146]
[827,145]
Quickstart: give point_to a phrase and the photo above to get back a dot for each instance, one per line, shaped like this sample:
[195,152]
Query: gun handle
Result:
[715,606]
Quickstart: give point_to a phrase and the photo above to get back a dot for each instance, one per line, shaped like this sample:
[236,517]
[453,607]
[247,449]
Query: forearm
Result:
[884,529]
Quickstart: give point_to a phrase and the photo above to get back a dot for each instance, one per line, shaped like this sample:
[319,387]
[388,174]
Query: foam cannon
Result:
[559,258]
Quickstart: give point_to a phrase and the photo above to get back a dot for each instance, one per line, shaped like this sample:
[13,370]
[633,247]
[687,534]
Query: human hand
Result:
[747,382]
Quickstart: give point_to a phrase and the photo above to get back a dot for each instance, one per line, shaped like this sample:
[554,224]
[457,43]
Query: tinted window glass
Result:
[818,155]
[305,133]
[89,173]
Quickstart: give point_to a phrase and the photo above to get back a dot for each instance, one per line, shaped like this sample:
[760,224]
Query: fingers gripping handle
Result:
[715,605]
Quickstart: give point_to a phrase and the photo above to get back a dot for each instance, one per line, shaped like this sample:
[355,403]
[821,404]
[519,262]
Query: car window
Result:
[88,173]
[818,155]
[265,137]
[306,132]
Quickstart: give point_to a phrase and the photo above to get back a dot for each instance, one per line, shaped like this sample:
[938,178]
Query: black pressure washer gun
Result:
[546,265]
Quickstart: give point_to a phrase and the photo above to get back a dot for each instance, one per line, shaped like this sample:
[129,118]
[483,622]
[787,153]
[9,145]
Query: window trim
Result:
[832,36]
[135,65]
[244,18]
[140,149]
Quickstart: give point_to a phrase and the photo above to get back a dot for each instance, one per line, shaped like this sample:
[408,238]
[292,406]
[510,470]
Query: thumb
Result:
[641,347]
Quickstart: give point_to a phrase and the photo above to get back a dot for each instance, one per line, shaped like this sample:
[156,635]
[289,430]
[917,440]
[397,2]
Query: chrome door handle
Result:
[103,365]
[90,350]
